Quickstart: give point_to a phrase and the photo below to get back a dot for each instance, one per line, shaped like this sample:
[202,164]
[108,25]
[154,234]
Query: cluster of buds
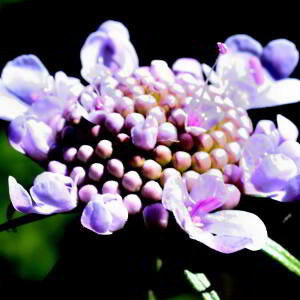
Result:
[134,140]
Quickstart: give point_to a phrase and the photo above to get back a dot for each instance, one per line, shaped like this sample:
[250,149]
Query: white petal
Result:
[213,77]
[10,106]
[26,77]
[287,129]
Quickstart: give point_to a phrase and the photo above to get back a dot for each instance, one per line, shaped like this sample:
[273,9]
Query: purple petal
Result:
[273,173]
[19,197]
[10,106]
[287,129]
[96,216]
[26,77]
[53,193]
[212,75]
[268,128]
[234,230]
[280,57]
[292,150]
[117,209]
[290,192]
[244,43]
[188,65]
[208,193]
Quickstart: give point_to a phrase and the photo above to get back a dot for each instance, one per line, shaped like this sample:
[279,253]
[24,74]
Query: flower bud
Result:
[178,117]
[167,134]
[133,204]
[133,119]
[204,142]
[57,167]
[234,198]
[136,161]
[96,131]
[151,169]
[115,168]
[162,155]
[156,216]
[233,150]
[152,190]
[132,181]
[186,142]
[86,192]
[111,187]
[85,152]
[96,171]
[168,173]
[158,113]
[246,123]
[161,71]
[125,106]
[104,149]
[190,178]
[201,162]
[219,138]
[181,161]
[114,123]
[78,173]
[219,158]
[144,103]
[215,172]
[70,154]
[97,117]
[229,130]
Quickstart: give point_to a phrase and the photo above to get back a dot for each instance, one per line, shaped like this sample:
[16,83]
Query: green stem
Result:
[280,254]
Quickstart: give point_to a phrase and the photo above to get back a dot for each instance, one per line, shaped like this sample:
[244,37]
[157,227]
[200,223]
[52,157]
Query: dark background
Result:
[123,265]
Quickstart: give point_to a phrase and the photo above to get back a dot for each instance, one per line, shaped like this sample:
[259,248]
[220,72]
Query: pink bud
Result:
[234,197]
[133,204]
[104,149]
[133,119]
[144,103]
[96,171]
[151,169]
[162,154]
[167,134]
[132,181]
[87,192]
[167,174]
[114,123]
[115,168]
[70,154]
[124,106]
[85,152]
[156,216]
[57,167]
[181,161]
[111,187]
[152,190]
[78,173]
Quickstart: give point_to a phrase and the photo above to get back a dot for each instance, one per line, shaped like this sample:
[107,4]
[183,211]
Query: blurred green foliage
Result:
[33,249]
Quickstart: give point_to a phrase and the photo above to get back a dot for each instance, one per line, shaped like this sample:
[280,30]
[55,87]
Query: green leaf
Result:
[199,281]
[280,254]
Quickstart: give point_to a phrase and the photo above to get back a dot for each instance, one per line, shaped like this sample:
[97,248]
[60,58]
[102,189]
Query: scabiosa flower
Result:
[253,76]
[122,143]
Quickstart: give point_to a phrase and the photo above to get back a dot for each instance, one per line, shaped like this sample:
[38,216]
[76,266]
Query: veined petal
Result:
[273,172]
[10,106]
[287,129]
[117,209]
[51,189]
[281,92]
[234,230]
[19,197]
[26,77]
[96,216]
[244,43]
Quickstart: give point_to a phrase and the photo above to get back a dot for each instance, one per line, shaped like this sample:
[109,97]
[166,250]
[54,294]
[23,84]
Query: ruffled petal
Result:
[287,129]
[244,43]
[234,230]
[53,192]
[281,92]
[273,173]
[280,57]
[19,197]
[26,77]
[96,216]
[10,106]
[117,209]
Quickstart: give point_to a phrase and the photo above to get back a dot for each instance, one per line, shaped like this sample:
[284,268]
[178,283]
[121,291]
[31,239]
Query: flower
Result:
[226,231]
[253,76]
[108,50]
[105,214]
[35,103]
[270,160]
[50,193]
